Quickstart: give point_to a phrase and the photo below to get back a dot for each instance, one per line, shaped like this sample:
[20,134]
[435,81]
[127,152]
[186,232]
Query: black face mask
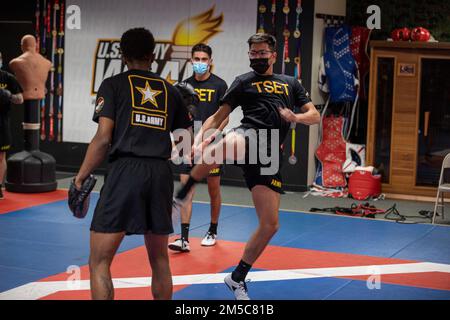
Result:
[260,65]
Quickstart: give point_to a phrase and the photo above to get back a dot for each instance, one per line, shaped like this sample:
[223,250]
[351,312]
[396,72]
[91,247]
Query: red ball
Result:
[420,34]
[402,34]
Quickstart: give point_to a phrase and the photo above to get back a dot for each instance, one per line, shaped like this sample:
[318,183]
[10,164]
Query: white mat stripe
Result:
[36,290]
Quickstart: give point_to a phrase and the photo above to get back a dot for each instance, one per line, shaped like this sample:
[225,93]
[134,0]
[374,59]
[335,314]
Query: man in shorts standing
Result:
[210,89]
[136,111]
[267,101]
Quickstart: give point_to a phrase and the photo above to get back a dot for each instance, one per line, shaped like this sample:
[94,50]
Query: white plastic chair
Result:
[442,188]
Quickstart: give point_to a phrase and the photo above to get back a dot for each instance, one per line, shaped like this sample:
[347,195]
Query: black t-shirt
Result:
[8,82]
[260,96]
[210,92]
[145,109]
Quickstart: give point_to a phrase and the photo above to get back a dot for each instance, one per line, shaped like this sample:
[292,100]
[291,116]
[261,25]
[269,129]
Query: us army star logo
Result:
[148,94]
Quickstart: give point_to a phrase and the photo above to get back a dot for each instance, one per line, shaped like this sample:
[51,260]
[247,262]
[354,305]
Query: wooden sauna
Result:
[408,132]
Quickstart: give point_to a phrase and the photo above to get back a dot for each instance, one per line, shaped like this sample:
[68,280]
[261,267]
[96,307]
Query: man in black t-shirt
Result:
[10,93]
[210,89]
[136,111]
[267,101]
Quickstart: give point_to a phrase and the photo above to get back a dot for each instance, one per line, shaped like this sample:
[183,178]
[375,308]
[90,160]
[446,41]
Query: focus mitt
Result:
[79,199]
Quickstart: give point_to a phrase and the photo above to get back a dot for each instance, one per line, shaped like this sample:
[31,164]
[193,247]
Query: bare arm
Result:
[224,123]
[309,117]
[97,150]
[217,121]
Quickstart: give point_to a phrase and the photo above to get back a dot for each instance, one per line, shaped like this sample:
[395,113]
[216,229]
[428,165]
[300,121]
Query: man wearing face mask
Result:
[267,101]
[10,93]
[210,89]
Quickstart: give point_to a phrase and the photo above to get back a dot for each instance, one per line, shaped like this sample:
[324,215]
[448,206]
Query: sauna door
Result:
[434,120]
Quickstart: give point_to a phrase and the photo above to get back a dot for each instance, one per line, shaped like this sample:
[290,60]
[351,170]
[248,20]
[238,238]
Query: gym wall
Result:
[107,20]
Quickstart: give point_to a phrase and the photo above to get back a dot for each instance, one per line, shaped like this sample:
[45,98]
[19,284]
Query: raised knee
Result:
[235,147]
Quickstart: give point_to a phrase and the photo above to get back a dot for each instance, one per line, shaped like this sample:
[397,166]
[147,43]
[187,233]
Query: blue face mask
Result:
[200,67]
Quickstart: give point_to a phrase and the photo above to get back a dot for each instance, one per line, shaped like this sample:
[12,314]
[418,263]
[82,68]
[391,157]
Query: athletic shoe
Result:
[209,239]
[180,245]
[1,194]
[239,289]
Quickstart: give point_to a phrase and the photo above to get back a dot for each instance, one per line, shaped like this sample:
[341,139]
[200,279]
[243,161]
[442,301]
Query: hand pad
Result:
[79,199]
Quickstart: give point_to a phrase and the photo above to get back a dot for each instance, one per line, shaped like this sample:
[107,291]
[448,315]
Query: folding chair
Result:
[442,187]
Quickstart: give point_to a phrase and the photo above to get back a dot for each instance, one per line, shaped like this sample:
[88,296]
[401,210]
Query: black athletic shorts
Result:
[5,133]
[186,169]
[136,198]
[252,172]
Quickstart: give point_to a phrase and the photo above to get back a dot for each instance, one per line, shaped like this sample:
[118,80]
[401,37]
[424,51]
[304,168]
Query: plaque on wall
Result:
[407,69]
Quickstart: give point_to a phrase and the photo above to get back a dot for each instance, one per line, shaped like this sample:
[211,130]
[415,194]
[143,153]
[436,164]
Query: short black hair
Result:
[202,48]
[263,38]
[137,44]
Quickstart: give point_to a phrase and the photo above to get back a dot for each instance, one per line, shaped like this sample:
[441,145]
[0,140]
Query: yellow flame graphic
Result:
[197,29]
[170,80]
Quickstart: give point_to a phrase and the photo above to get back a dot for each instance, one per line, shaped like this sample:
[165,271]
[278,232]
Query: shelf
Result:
[410,44]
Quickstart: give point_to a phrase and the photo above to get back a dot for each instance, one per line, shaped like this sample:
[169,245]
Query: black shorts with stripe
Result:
[254,173]
[186,169]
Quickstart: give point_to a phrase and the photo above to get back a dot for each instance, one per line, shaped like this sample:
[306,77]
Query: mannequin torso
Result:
[31,70]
